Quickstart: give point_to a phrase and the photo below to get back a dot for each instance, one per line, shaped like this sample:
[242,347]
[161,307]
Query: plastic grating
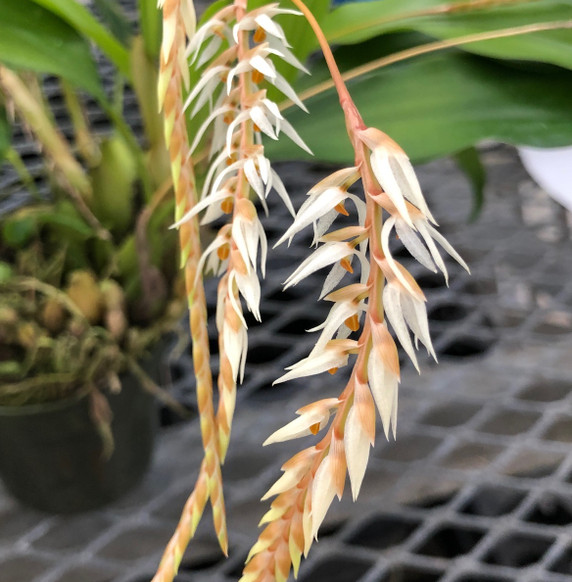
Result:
[478,486]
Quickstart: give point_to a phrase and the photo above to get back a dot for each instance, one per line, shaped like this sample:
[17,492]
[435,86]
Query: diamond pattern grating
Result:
[478,486]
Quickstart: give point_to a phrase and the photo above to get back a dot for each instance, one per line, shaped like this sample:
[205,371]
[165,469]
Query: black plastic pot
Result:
[51,455]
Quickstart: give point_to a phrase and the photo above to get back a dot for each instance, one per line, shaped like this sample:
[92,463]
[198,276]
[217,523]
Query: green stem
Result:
[353,118]
[13,157]
[85,141]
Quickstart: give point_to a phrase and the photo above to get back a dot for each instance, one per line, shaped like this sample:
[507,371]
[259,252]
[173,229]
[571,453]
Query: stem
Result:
[337,79]
[85,141]
[13,157]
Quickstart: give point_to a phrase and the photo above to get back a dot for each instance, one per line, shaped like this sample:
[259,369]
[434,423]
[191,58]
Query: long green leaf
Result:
[440,104]
[115,19]
[83,22]
[357,22]
[5,134]
[32,38]
[151,27]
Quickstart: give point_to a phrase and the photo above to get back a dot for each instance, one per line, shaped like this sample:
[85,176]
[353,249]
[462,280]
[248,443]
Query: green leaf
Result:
[83,22]
[5,134]
[115,19]
[151,27]
[356,22]
[33,38]
[18,230]
[470,163]
[440,104]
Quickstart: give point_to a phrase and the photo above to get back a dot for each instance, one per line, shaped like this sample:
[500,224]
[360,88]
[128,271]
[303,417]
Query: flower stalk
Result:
[315,476]
[234,51]
[178,24]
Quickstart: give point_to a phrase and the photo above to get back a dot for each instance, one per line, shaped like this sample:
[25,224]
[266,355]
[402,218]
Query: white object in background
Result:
[551,169]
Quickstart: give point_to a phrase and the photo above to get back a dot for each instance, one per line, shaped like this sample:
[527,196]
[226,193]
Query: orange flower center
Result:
[315,428]
[353,322]
[332,371]
[227,205]
[259,35]
[345,263]
[223,252]
[341,208]
[257,77]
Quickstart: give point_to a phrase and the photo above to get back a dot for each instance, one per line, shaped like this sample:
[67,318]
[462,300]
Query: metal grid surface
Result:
[478,486]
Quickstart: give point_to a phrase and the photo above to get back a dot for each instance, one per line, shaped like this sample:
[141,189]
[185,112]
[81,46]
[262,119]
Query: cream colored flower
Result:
[312,418]
[359,434]
[394,173]
[261,18]
[332,356]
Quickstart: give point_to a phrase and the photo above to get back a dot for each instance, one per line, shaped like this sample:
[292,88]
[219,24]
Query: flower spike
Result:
[391,201]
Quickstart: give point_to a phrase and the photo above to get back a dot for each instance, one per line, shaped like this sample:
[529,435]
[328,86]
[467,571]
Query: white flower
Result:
[293,469]
[216,26]
[312,209]
[312,418]
[325,255]
[267,117]
[411,241]
[404,311]
[332,356]
[429,234]
[218,112]
[323,493]
[213,264]
[322,200]
[235,346]
[213,200]
[359,435]
[328,482]
[249,287]
[340,312]
[206,86]
[383,376]
[248,234]
[384,387]
[262,18]
[256,59]
[394,173]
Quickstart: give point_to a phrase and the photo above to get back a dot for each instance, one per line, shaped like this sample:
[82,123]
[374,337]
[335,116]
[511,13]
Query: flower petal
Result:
[384,385]
[325,255]
[356,443]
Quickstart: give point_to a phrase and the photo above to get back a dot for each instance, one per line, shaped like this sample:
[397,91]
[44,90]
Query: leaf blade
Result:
[439,104]
[35,39]
[350,24]
[80,19]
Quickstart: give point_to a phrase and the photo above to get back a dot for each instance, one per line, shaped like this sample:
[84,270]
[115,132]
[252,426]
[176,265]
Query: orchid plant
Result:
[236,51]
[231,90]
